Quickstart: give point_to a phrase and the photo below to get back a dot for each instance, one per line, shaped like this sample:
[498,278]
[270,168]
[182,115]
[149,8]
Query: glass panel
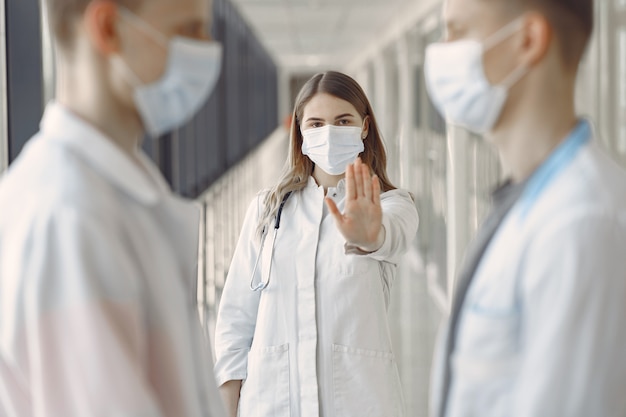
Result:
[393,114]
[434,202]
[484,173]
[419,91]
[47,51]
[415,309]
[4,140]
[621,81]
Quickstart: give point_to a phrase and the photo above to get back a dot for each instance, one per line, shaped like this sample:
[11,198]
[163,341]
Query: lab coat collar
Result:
[61,125]
[340,188]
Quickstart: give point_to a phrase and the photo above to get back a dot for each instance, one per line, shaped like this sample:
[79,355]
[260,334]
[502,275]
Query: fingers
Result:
[332,207]
[358,178]
[376,190]
[367,182]
[360,183]
[351,193]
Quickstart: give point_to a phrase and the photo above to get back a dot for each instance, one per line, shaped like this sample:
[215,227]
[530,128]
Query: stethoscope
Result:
[267,261]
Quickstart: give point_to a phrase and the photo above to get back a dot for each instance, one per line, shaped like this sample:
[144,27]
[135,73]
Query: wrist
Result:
[377,244]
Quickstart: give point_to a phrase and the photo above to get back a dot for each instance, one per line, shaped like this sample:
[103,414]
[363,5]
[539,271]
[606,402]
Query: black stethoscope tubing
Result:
[263,285]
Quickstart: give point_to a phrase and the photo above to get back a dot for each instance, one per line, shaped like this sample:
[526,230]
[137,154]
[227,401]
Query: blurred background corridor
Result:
[237,145]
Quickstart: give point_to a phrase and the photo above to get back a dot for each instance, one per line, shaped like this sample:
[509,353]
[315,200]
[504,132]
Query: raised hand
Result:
[361,222]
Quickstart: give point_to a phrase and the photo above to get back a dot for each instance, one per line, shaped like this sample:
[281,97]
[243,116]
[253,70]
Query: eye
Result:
[315,125]
[344,122]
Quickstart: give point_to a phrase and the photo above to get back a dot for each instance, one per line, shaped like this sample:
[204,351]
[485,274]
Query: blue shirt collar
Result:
[560,158]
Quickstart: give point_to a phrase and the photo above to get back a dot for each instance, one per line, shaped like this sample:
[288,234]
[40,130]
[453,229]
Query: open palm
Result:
[361,222]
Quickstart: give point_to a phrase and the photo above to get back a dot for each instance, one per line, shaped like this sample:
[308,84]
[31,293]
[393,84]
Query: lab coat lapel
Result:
[474,256]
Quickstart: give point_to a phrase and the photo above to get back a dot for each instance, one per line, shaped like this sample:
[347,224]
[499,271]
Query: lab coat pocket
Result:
[490,333]
[265,393]
[366,383]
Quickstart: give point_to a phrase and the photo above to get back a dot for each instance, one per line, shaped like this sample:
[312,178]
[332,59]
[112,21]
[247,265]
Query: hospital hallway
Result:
[238,143]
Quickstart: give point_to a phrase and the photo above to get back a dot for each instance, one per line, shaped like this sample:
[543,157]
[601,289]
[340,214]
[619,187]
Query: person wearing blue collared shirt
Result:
[536,325]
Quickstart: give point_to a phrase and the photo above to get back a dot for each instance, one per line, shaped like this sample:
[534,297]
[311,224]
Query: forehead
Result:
[324,105]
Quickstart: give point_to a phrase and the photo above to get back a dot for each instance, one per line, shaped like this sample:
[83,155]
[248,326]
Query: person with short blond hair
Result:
[97,256]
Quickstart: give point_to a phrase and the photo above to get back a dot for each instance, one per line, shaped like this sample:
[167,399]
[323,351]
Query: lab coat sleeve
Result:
[573,291]
[237,314]
[83,325]
[400,221]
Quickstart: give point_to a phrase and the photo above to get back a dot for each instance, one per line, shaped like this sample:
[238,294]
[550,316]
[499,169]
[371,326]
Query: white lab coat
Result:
[541,331]
[97,269]
[316,341]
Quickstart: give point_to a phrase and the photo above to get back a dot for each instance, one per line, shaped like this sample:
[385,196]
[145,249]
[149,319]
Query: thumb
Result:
[332,207]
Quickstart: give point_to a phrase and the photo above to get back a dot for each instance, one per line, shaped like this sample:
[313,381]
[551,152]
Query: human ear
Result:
[366,128]
[536,40]
[100,21]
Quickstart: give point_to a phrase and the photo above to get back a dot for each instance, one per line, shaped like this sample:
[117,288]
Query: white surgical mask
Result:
[458,86]
[333,148]
[192,71]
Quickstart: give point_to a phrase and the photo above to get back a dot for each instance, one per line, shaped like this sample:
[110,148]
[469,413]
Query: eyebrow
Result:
[317,119]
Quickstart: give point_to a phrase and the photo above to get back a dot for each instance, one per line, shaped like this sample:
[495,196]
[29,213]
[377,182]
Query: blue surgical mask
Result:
[192,71]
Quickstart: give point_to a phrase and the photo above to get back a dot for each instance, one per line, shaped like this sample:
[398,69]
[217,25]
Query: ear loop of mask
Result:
[500,36]
[129,74]
[503,33]
[514,77]
[139,24]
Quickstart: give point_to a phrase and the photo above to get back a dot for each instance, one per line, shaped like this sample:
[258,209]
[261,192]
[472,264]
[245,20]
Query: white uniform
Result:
[322,345]
[541,331]
[97,268]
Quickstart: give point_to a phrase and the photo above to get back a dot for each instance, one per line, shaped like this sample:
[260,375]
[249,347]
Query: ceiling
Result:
[313,34]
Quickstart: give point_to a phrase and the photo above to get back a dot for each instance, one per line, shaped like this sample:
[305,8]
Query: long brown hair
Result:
[298,167]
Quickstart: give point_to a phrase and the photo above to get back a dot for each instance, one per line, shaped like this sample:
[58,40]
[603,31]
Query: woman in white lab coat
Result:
[302,328]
